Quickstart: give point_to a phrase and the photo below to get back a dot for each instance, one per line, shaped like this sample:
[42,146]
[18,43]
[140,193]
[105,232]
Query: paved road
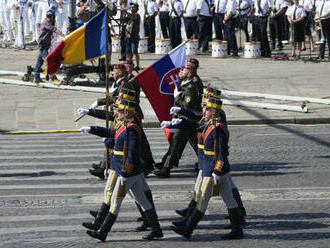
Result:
[282,172]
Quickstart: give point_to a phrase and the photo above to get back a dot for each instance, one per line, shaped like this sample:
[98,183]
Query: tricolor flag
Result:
[87,42]
[158,81]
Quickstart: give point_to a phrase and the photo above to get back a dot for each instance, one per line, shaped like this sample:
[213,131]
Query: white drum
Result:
[168,43]
[143,45]
[219,48]
[251,50]
[162,46]
[191,47]
[116,45]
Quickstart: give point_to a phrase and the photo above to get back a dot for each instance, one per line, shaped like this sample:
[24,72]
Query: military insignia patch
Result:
[187,99]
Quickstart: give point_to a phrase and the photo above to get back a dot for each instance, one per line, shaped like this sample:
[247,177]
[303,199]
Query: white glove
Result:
[122,180]
[176,92]
[106,173]
[85,129]
[176,121]
[175,110]
[165,124]
[82,111]
[216,178]
[94,105]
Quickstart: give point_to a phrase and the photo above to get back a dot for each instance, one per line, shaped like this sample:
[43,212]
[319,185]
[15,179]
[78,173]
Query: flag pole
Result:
[107,83]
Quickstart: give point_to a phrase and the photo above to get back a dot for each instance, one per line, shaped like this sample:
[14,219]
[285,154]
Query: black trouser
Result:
[326,32]
[230,35]
[276,26]
[261,32]
[175,31]
[205,31]
[190,24]
[164,20]
[286,30]
[218,26]
[243,24]
[123,42]
[179,141]
[150,32]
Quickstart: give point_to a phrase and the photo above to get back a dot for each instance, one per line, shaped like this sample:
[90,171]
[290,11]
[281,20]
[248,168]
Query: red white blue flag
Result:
[158,81]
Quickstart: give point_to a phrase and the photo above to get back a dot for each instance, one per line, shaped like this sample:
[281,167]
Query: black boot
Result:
[190,209]
[104,229]
[156,231]
[235,221]
[183,212]
[187,229]
[101,214]
[163,172]
[238,199]
[145,224]
[93,213]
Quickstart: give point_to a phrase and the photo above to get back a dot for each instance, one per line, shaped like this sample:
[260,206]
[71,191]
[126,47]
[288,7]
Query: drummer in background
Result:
[190,18]
[296,15]
[219,10]
[262,11]
[323,15]
[245,9]
[276,23]
[164,17]
[230,21]
[308,7]
[176,12]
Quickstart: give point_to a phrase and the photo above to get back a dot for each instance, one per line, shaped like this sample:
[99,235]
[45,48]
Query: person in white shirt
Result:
[176,12]
[5,22]
[219,10]
[308,6]
[150,12]
[323,15]
[164,18]
[296,15]
[230,22]
[204,19]
[190,18]
[245,9]
[262,11]
[276,23]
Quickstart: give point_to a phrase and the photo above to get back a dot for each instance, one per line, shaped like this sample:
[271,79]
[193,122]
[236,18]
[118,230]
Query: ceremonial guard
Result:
[262,11]
[276,23]
[22,23]
[245,9]
[176,12]
[204,19]
[296,15]
[150,12]
[126,174]
[219,10]
[62,17]
[164,17]
[5,22]
[323,16]
[187,96]
[231,21]
[190,18]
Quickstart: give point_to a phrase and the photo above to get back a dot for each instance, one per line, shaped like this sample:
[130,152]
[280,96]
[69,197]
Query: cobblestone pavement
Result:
[282,172]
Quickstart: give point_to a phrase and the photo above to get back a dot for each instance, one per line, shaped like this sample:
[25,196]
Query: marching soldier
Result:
[190,18]
[176,12]
[323,15]
[276,23]
[127,173]
[219,10]
[262,11]
[187,96]
[214,171]
[296,15]
[204,19]
[230,22]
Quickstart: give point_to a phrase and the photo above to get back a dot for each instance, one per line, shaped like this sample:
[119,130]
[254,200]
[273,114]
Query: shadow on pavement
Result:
[38,174]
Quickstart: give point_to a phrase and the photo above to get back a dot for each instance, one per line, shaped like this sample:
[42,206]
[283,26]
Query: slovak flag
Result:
[158,81]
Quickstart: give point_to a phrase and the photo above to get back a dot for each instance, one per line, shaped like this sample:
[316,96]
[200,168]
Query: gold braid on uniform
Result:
[218,165]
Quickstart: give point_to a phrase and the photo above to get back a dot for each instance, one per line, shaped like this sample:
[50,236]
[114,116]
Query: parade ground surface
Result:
[279,160]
